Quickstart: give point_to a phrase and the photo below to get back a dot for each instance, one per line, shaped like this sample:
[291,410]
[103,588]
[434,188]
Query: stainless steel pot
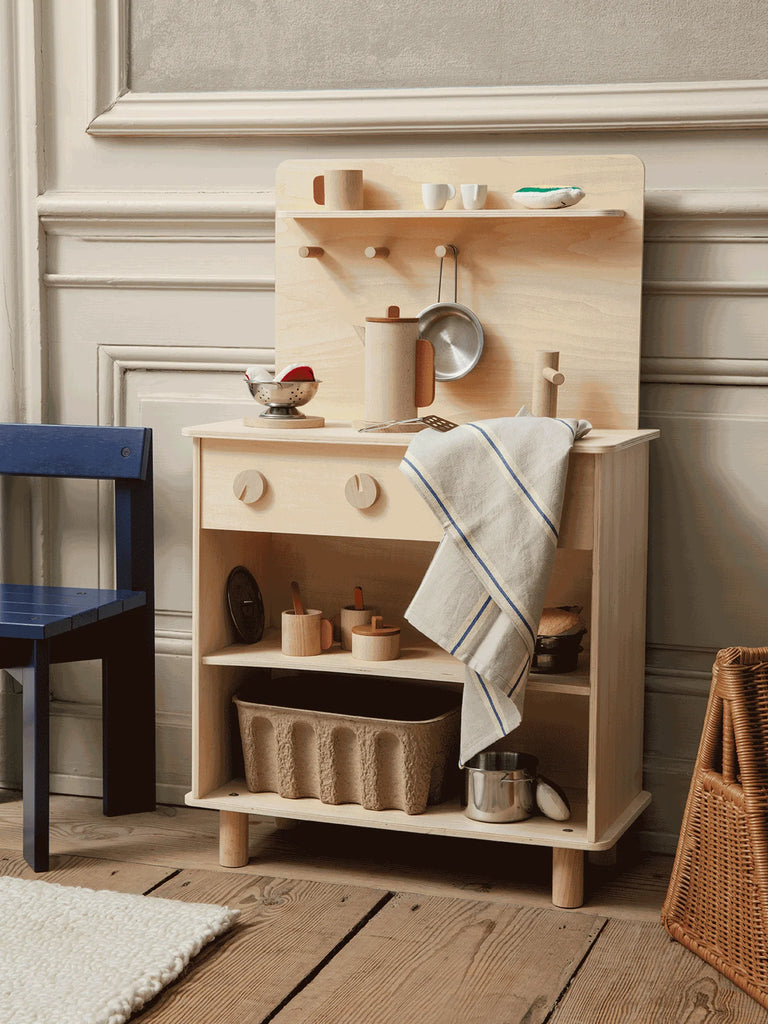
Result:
[501,786]
[454,330]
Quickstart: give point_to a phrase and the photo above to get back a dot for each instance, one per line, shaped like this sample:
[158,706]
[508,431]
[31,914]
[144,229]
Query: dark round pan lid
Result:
[245,604]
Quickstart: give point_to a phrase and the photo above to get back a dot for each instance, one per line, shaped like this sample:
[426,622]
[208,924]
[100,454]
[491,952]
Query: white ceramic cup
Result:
[435,195]
[473,196]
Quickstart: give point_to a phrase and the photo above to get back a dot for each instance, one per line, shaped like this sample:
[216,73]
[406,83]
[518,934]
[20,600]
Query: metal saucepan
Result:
[503,786]
[455,332]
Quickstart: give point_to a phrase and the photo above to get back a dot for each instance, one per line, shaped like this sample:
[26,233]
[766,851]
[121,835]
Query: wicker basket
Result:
[717,902]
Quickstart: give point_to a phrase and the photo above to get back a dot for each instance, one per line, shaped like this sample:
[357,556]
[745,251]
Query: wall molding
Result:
[739,289]
[161,282]
[116,111]
[671,215]
[717,372]
[633,106]
[210,216]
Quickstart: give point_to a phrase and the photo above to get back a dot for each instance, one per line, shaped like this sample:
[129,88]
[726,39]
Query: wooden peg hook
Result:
[443,250]
[310,251]
[547,378]
[374,252]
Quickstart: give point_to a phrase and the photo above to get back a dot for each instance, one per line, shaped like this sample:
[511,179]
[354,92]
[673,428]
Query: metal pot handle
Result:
[455,274]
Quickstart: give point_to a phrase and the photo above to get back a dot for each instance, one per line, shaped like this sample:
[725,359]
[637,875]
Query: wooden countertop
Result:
[336,432]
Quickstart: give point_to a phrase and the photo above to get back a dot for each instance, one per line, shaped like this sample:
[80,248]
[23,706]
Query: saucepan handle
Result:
[425,373]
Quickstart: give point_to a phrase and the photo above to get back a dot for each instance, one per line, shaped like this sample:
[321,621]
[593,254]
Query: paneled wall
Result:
[145,285]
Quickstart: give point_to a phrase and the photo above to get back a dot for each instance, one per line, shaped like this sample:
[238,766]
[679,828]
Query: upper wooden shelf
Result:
[419,659]
[566,212]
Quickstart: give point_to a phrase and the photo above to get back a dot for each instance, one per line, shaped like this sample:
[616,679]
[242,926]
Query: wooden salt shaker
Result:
[376,642]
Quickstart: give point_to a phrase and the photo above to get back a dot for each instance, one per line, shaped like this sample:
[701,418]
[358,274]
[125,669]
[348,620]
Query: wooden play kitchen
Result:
[557,292]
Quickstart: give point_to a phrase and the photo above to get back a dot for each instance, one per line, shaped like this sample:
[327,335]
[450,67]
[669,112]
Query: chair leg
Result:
[128,718]
[35,743]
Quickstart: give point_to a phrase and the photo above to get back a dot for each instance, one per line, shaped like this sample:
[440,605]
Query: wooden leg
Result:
[567,877]
[233,839]
[35,742]
[128,717]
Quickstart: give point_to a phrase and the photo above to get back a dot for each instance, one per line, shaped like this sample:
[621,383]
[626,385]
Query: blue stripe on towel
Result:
[515,477]
[567,425]
[466,632]
[487,693]
[517,681]
[456,527]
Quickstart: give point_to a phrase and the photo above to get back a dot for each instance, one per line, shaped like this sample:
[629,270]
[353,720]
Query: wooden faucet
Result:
[547,378]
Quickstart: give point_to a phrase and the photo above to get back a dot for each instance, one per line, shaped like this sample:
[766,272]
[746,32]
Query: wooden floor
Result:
[348,926]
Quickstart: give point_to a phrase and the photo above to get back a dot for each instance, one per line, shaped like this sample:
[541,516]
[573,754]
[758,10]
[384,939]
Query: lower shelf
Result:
[447,819]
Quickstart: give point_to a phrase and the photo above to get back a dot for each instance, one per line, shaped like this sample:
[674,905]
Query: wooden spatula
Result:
[298,607]
[358,592]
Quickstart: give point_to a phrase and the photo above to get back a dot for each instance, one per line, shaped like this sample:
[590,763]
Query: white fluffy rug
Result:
[77,956]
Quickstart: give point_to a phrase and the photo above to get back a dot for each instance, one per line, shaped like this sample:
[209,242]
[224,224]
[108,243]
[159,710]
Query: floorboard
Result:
[448,961]
[635,974]
[347,926]
[286,929]
[88,872]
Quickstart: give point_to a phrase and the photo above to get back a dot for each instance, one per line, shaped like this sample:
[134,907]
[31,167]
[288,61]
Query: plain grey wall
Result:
[199,45]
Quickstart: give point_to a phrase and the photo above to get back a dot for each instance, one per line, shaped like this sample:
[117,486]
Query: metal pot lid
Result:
[245,604]
[456,336]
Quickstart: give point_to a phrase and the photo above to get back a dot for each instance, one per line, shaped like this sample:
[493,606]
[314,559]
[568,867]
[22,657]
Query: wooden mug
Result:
[339,190]
[304,635]
[351,616]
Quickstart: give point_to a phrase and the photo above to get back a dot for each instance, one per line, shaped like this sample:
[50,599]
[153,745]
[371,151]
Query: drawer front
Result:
[304,490]
[315,489]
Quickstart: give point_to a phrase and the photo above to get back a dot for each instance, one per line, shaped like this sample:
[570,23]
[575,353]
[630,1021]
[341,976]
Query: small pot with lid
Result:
[505,786]
[399,367]
[376,642]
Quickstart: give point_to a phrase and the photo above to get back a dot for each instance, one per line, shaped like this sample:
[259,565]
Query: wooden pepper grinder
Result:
[547,378]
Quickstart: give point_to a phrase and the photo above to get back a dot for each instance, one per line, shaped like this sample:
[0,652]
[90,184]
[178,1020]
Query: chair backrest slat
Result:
[88,452]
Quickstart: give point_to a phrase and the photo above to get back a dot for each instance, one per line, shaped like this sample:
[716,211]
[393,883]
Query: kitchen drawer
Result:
[304,491]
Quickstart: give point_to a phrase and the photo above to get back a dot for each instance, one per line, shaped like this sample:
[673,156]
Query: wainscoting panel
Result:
[154,311]
[151,322]
[705,371]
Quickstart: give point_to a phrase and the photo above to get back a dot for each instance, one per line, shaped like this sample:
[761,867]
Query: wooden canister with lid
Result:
[376,642]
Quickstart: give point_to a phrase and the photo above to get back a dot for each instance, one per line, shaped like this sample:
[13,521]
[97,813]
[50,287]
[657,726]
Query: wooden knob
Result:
[248,486]
[377,252]
[308,251]
[443,250]
[361,490]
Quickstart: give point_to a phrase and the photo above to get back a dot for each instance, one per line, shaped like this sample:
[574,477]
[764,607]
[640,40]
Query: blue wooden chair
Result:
[43,626]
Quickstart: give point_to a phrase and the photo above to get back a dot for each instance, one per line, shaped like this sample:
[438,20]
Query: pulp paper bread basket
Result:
[717,902]
[345,740]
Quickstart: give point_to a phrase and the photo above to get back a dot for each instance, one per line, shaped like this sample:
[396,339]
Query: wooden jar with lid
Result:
[376,642]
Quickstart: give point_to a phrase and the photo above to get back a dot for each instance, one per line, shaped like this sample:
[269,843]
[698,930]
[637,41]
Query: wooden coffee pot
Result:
[399,367]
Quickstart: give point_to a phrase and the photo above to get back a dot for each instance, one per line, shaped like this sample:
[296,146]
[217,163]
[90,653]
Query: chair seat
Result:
[38,613]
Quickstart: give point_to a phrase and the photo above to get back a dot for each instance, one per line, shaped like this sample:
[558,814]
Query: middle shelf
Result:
[419,659]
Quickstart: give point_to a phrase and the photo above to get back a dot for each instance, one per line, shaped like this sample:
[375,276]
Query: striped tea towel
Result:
[497,488]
